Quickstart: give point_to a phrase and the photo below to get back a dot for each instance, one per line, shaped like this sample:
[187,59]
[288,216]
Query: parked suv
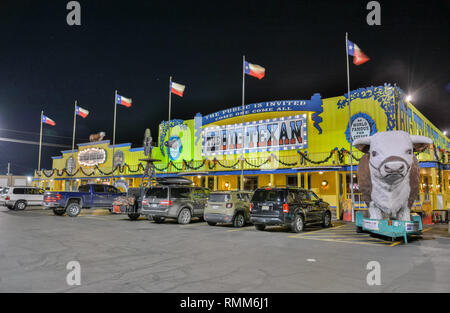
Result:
[293,207]
[228,207]
[18,198]
[181,202]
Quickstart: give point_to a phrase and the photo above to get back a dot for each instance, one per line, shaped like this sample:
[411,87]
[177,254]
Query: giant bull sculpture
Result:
[388,173]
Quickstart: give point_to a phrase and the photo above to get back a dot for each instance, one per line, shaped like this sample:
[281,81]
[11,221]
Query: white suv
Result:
[18,198]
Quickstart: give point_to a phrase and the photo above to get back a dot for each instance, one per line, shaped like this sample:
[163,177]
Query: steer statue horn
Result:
[97,137]
[388,173]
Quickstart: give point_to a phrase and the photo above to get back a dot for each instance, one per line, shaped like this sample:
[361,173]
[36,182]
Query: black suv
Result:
[290,206]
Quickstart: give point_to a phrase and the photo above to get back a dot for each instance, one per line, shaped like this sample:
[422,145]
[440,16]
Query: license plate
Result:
[265,208]
[154,205]
[215,206]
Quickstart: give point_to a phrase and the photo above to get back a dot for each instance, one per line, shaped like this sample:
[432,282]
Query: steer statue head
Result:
[388,173]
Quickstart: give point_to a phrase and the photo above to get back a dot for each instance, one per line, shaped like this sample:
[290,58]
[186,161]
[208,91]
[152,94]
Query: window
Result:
[199,193]
[84,188]
[263,195]
[158,192]
[180,193]
[219,197]
[291,181]
[312,196]
[111,189]
[19,191]
[99,188]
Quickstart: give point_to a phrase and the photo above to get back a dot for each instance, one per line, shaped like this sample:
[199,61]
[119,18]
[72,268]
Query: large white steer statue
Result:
[388,173]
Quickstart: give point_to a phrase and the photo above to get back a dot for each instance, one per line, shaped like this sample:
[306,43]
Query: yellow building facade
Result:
[287,142]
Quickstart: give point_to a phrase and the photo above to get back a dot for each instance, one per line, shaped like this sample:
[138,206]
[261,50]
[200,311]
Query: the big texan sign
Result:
[284,133]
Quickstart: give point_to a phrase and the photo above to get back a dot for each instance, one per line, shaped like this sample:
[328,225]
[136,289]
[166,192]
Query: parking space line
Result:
[382,243]
[317,231]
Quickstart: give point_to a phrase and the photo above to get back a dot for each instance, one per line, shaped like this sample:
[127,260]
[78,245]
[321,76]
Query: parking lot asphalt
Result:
[119,255]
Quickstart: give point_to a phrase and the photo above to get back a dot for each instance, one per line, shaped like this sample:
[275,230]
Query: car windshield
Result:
[157,192]
[219,197]
[262,195]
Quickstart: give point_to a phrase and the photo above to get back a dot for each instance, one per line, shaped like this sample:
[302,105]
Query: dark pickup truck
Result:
[88,196]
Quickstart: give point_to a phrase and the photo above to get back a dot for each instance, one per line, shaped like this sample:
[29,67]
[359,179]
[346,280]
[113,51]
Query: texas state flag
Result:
[82,112]
[47,120]
[177,89]
[123,101]
[358,56]
[254,70]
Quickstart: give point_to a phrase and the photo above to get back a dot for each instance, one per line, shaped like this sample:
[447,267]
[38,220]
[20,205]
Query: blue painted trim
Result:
[56,157]
[69,151]
[128,144]
[93,143]
[136,149]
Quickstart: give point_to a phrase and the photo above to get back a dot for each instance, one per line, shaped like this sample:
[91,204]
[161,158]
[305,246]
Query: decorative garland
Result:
[305,157]
[258,166]
[212,164]
[284,163]
[186,164]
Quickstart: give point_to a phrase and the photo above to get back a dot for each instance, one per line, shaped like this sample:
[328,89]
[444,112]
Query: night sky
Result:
[134,46]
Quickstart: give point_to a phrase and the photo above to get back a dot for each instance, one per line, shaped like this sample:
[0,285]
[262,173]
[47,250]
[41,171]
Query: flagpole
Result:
[350,128]
[114,135]
[243,128]
[73,141]
[40,149]
[168,124]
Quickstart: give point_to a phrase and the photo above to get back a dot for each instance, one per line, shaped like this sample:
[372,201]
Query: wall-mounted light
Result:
[324,183]
[199,176]
[227,185]
[320,173]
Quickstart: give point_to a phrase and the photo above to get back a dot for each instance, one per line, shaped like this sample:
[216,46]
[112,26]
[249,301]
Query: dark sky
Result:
[134,46]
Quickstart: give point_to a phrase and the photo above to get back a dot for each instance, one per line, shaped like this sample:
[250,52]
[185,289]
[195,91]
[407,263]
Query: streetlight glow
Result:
[408,98]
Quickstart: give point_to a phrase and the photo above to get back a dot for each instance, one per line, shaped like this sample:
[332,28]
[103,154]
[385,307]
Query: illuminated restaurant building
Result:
[302,143]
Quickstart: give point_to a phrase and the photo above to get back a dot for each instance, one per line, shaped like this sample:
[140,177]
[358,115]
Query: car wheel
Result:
[326,219]
[239,220]
[298,224]
[185,216]
[158,220]
[59,212]
[211,223]
[359,230]
[133,216]
[73,209]
[20,205]
[260,226]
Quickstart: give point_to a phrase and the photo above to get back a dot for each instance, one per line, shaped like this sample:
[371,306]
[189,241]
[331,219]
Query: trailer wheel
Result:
[134,216]
[73,209]
[359,229]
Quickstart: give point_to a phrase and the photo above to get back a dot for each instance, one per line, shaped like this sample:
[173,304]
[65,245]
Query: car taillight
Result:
[229,205]
[251,207]
[144,202]
[285,208]
[166,202]
[7,198]
[58,196]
